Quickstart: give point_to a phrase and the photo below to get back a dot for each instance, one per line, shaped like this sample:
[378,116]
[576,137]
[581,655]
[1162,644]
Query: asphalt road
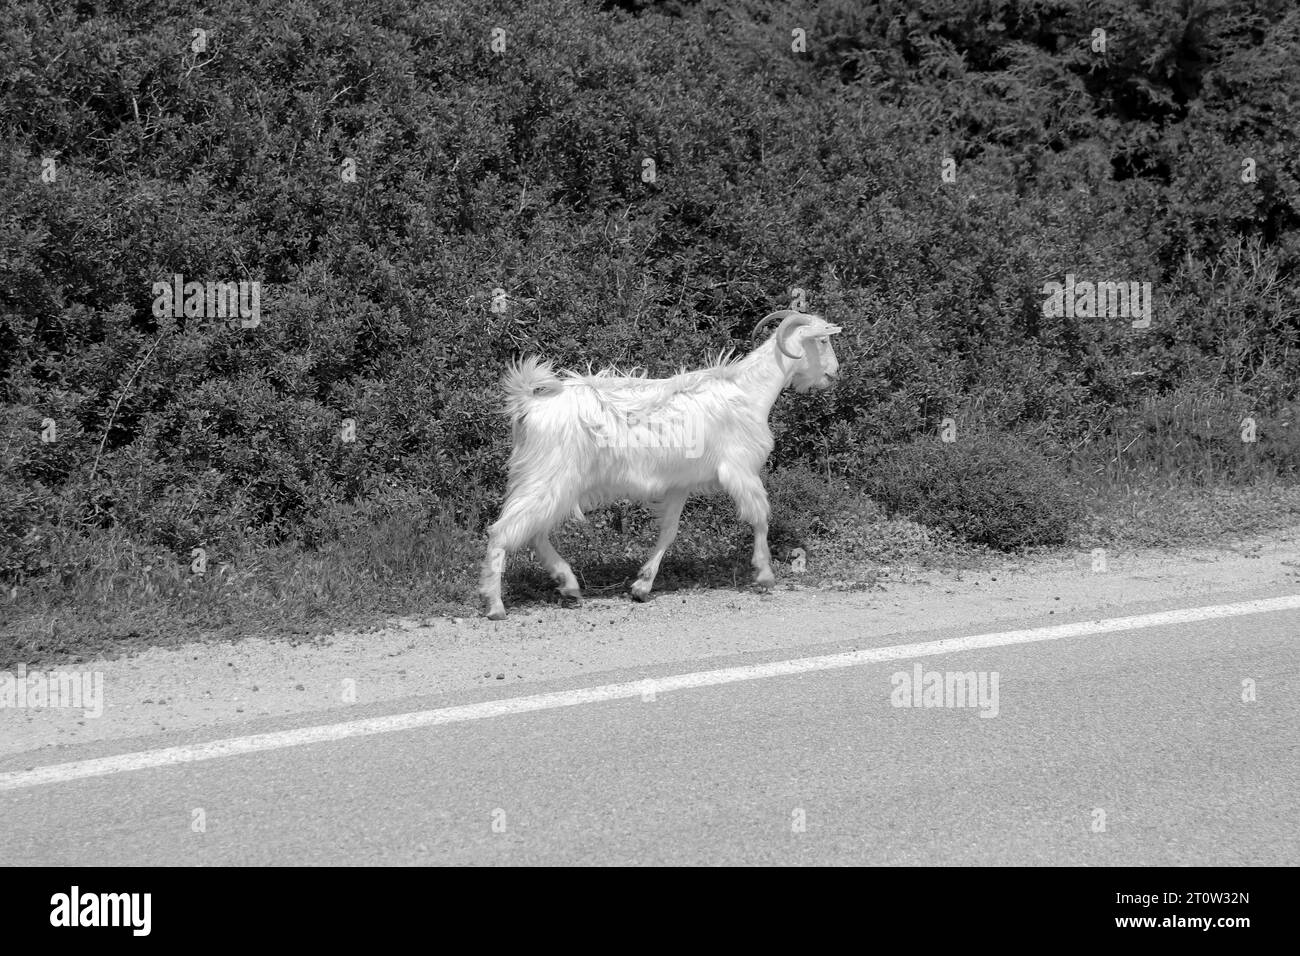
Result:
[1123,748]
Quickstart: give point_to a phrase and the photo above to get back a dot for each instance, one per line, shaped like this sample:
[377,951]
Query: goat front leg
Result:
[558,567]
[762,560]
[668,520]
[747,491]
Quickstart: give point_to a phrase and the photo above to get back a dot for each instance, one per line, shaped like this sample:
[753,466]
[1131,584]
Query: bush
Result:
[21,551]
[804,504]
[128,158]
[994,490]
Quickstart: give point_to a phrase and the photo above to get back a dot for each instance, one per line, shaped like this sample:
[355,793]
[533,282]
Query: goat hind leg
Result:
[510,532]
[557,566]
[669,516]
[489,582]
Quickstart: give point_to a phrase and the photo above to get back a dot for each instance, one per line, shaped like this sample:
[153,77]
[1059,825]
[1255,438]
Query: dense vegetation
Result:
[1164,152]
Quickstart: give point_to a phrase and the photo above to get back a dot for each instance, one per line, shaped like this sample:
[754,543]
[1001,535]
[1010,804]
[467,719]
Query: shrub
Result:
[804,506]
[523,171]
[993,489]
[20,543]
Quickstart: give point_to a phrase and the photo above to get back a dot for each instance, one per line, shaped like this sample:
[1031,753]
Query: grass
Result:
[1161,514]
[104,595]
[1171,479]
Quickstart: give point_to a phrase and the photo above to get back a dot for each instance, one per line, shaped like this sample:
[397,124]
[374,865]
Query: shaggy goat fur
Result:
[584,440]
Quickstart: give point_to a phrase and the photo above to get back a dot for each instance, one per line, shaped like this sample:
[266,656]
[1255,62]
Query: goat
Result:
[581,441]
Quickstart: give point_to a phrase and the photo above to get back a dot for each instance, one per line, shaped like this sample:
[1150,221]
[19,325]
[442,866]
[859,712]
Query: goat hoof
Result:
[571,599]
[640,592]
[497,614]
[765,584]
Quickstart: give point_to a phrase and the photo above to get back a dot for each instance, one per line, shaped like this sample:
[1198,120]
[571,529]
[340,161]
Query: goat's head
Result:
[805,340]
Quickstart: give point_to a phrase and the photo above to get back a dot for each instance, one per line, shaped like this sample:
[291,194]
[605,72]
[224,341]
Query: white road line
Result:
[121,763]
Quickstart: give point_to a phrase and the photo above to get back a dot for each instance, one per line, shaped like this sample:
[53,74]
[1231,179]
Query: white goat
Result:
[585,440]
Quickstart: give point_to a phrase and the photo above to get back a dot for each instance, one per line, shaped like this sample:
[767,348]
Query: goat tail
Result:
[524,382]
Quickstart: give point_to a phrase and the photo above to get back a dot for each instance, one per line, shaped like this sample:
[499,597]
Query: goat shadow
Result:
[530,586]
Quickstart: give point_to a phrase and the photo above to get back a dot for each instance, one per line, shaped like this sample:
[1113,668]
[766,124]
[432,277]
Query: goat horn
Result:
[790,320]
[788,325]
[769,319]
